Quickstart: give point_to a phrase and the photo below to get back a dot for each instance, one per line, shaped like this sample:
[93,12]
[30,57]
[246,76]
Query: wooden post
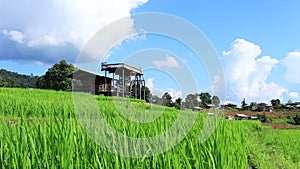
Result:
[105,82]
[123,82]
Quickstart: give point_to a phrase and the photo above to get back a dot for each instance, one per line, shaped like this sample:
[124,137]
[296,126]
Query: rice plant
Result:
[40,129]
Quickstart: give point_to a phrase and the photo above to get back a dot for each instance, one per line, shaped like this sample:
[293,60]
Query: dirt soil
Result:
[273,115]
[280,125]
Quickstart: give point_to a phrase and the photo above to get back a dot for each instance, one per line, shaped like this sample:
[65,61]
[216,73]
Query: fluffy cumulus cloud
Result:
[57,24]
[159,92]
[294,95]
[292,63]
[246,73]
[14,35]
[170,62]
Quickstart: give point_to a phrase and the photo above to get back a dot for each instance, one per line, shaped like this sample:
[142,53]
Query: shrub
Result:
[297,119]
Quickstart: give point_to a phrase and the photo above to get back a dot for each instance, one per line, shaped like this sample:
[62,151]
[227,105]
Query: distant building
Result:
[264,108]
[229,118]
[293,106]
[126,81]
[210,106]
[253,118]
[196,108]
[241,117]
[229,106]
[247,107]
[89,82]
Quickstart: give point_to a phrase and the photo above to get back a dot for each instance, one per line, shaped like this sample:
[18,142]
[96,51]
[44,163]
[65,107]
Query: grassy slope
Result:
[39,129]
[274,148]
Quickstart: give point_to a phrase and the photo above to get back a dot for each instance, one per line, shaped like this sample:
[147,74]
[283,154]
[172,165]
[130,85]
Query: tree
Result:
[215,101]
[276,104]
[156,100]
[243,103]
[167,100]
[148,94]
[177,103]
[56,77]
[13,79]
[261,106]
[205,99]
[253,106]
[297,119]
[191,101]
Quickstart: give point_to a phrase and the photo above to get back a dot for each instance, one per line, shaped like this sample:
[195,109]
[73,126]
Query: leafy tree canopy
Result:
[167,100]
[191,101]
[56,77]
[276,104]
[12,79]
[177,103]
[215,100]
[205,99]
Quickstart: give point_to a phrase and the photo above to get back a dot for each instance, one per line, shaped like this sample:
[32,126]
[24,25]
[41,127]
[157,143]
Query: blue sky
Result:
[258,42]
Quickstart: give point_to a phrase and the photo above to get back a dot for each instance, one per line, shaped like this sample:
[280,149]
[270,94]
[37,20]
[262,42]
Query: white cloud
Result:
[14,35]
[170,62]
[218,86]
[294,95]
[159,92]
[150,84]
[58,22]
[50,30]
[174,93]
[45,41]
[292,63]
[246,74]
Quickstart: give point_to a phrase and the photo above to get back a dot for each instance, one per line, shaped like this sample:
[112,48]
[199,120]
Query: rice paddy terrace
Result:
[40,129]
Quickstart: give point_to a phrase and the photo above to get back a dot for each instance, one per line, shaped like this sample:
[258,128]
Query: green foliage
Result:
[273,148]
[191,101]
[56,77]
[276,104]
[243,103]
[12,79]
[262,104]
[263,118]
[42,131]
[167,100]
[177,103]
[216,101]
[156,100]
[114,98]
[253,106]
[35,103]
[147,92]
[296,119]
[205,99]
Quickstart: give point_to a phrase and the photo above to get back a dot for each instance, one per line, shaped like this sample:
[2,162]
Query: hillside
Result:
[46,130]
[13,79]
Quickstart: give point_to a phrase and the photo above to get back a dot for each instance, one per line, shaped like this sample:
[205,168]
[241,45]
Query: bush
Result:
[297,119]
[263,118]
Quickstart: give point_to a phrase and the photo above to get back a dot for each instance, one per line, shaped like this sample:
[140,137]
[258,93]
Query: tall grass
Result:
[39,129]
[273,148]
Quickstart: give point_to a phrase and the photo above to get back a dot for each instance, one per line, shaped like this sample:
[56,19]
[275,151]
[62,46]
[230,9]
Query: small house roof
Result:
[241,115]
[253,117]
[210,105]
[86,73]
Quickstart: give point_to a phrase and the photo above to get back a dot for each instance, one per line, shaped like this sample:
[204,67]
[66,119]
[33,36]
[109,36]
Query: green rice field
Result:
[41,129]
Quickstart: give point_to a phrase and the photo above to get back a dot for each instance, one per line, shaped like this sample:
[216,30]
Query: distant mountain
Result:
[13,79]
